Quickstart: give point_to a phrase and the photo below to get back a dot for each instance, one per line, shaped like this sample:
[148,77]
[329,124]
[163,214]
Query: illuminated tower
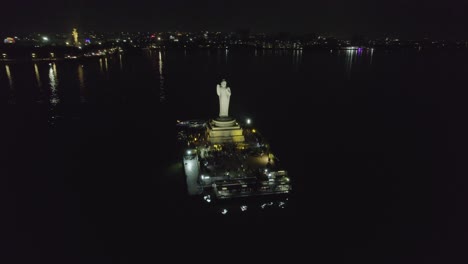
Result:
[75,37]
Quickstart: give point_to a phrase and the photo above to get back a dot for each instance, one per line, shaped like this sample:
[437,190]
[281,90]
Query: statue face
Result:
[223,84]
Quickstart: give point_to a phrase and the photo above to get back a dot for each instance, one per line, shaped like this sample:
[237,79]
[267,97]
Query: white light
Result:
[45,38]
[248,121]
[189,152]
[243,208]
[224,211]
[207,198]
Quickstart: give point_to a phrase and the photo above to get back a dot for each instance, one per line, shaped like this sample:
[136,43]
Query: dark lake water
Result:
[375,143]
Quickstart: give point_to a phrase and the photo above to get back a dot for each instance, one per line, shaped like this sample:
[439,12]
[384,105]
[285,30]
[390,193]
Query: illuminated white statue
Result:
[224,94]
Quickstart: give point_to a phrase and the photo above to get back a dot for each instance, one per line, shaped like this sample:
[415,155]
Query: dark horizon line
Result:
[250,32]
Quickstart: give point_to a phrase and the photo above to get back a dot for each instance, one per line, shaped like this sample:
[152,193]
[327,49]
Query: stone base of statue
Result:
[224,130]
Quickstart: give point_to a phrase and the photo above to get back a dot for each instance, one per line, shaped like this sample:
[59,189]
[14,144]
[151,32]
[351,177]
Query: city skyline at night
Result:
[342,19]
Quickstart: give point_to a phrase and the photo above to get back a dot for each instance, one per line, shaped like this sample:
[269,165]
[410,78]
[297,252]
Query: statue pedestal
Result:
[224,130]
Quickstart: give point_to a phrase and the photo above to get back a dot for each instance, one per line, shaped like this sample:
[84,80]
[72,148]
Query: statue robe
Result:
[224,94]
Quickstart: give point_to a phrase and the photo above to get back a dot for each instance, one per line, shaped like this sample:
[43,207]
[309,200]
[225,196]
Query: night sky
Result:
[342,18]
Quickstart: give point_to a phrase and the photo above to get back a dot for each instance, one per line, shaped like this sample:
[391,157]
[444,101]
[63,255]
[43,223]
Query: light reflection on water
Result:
[82,83]
[100,65]
[106,64]
[10,79]
[11,98]
[54,98]
[53,81]
[38,77]
[162,94]
[297,59]
[104,67]
[350,57]
[353,57]
[351,61]
[226,55]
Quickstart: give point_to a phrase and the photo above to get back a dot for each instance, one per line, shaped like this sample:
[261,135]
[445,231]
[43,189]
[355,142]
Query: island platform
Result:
[225,159]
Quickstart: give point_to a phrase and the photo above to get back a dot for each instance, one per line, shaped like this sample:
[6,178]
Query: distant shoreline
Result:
[59,53]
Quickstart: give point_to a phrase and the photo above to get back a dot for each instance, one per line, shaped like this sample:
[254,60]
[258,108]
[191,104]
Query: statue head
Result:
[223,83]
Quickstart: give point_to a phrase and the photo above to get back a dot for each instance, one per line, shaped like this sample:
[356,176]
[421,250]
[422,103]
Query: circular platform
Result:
[224,121]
